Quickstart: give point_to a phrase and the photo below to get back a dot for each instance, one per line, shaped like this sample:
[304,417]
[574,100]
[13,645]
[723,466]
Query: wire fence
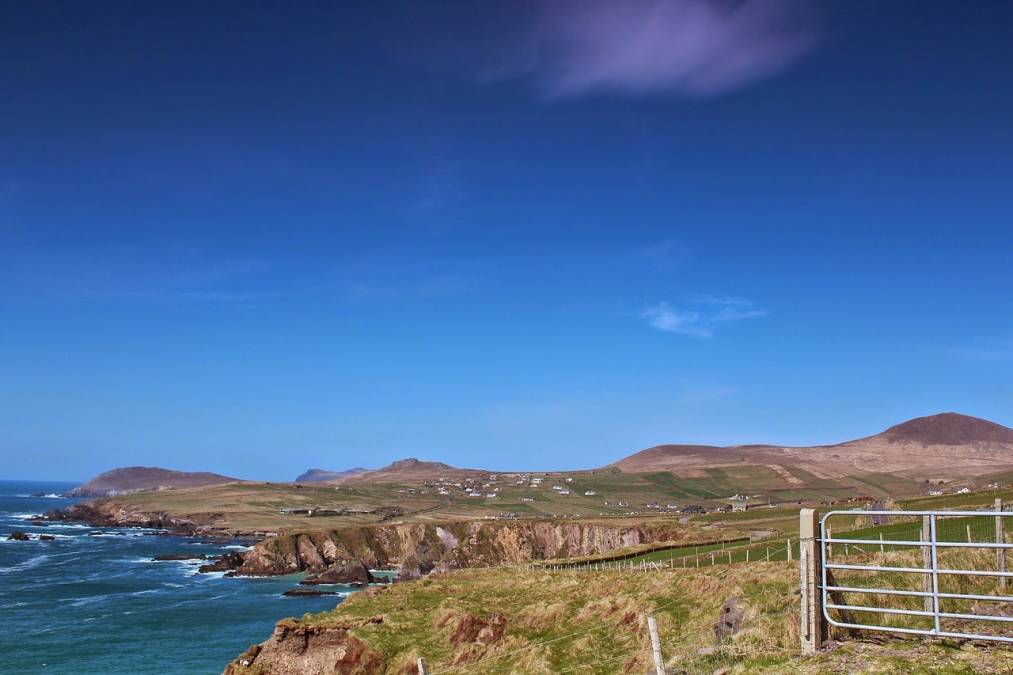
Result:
[484,664]
[728,552]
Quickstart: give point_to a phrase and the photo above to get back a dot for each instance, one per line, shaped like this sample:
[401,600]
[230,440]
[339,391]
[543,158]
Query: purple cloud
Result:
[691,47]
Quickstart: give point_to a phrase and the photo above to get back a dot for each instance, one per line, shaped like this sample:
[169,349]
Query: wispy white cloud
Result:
[661,256]
[702,315]
[992,351]
[691,47]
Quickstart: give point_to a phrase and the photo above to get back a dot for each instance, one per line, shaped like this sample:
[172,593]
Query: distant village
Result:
[534,487]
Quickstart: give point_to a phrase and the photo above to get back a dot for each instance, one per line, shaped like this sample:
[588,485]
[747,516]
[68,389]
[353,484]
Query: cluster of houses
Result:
[488,486]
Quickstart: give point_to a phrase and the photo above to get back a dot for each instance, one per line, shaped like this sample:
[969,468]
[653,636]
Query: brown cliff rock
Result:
[295,649]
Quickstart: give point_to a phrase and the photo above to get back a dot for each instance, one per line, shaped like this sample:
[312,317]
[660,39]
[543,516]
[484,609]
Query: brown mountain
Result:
[323,475]
[949,429]
[411,469]
[947,443]
[137,478]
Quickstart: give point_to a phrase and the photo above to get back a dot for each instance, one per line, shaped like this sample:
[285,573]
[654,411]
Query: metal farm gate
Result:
[933,573]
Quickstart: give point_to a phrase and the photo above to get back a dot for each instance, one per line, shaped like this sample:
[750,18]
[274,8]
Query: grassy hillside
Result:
[515,621]
[250,507]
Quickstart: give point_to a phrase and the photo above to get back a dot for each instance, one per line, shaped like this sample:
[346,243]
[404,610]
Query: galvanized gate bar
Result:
[923,594]
[931,573]
[943,544]
[916,570]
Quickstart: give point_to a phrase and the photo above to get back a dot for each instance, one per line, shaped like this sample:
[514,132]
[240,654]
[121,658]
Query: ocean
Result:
[92,601]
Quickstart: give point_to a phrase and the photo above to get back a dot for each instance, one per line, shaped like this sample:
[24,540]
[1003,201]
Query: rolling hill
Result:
[324,476]
[411,470]
[137,478]
[947,444]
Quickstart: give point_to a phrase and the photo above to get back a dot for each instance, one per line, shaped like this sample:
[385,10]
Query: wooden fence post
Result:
[812,630]
[659,663]
[969,534]
[926,563]
[789,550]
[881,549]
[1000,538]
[422,666]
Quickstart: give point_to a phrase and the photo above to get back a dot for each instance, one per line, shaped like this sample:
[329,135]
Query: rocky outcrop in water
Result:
[342,572]
[179,556]
[307,593]
[227,562]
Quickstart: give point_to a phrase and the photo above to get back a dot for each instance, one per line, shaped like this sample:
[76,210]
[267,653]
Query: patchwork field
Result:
[282,507]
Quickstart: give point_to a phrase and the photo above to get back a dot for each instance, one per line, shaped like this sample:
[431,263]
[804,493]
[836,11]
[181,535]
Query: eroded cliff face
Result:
[296,649]
[418,548]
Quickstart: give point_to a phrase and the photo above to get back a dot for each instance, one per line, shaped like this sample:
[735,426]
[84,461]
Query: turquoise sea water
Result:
[95,603]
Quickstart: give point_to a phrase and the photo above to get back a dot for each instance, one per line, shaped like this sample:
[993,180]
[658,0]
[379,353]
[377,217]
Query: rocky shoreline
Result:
[109,513]
[413,549]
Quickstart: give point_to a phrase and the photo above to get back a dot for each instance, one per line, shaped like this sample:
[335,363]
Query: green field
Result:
[257,507]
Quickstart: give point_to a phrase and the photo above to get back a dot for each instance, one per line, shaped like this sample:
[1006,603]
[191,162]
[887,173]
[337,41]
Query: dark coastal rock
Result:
[226,563]
[307,593]
[180,556]
[350,572]
[39,523]
[730,620]
[46,537]
[18,536]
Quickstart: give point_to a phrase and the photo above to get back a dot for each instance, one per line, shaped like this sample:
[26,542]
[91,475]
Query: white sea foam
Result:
[206,575]
[190,567]
[80,602]
[25,564]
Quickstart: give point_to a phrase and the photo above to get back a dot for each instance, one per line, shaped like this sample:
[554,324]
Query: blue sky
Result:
[254,239]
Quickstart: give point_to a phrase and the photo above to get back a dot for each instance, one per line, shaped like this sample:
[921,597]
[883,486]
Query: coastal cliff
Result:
[418,548]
